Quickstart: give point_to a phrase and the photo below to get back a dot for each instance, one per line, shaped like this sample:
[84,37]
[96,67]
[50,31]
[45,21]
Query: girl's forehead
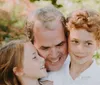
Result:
[29,46]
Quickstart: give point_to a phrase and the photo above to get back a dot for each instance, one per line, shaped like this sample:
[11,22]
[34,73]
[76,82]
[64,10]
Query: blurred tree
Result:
[14,12]
[34,0]
[12,18]
[53,2]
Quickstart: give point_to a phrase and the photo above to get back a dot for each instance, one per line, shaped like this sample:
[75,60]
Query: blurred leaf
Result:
[4,28]
[97,55]
[76,1]
[4,17]
[6,36]
[34,0]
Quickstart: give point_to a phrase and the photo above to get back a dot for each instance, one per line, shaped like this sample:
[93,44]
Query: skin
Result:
[51,44]
[85,44]
[33,64]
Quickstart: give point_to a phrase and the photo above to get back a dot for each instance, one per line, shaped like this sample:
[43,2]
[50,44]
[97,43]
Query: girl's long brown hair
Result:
[11,55]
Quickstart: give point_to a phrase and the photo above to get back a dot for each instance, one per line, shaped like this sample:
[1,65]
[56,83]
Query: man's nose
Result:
[44,57]
[41,55]
[53,52]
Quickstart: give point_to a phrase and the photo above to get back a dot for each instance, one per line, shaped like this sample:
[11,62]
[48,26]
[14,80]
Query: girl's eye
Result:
[34,57]
[75,41]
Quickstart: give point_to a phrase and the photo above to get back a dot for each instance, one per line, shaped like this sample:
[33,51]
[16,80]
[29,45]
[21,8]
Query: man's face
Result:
[51,44]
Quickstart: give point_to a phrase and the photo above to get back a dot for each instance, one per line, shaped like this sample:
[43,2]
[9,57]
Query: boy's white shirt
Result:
[90,76]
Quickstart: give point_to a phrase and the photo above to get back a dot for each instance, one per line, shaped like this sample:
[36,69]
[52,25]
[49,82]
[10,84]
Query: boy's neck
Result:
[76,69]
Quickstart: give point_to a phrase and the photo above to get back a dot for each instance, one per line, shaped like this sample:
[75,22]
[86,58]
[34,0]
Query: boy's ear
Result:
[18,71]
[98,46]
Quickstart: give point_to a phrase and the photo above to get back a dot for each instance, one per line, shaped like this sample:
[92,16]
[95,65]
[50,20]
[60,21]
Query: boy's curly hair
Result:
[85,19]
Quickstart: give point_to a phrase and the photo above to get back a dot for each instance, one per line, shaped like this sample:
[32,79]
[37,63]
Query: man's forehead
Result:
[49,36]
[48,25]
[46,37]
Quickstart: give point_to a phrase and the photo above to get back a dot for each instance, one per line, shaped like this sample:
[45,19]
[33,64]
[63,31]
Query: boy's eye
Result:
[88,43]
[75,41]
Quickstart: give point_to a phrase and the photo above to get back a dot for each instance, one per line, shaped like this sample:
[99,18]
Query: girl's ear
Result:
[18,71]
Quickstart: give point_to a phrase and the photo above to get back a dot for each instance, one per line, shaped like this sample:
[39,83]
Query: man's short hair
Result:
[45,15]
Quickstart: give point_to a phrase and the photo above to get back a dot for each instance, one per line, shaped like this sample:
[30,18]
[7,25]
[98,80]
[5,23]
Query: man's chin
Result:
[54,68]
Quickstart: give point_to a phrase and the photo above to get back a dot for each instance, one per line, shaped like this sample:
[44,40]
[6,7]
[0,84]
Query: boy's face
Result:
[82,46]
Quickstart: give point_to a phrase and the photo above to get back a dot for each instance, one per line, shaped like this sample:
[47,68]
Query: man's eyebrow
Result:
[44,47]
[60,43]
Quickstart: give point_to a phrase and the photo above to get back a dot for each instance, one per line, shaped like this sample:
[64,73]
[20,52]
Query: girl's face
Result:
[82,46]
[33,64]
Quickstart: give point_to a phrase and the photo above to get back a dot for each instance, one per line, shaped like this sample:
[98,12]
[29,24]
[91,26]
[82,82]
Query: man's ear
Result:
[18,71]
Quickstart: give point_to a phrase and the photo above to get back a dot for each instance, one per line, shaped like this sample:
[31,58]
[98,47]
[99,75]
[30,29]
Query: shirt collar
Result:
[89,71]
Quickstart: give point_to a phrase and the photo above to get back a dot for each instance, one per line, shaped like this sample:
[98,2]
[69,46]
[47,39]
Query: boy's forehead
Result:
[82,35]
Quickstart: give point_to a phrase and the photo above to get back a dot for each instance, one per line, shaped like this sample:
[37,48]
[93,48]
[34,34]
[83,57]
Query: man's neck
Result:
[76,69]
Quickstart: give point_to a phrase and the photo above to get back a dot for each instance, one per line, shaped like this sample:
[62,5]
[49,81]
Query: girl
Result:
[20,64]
